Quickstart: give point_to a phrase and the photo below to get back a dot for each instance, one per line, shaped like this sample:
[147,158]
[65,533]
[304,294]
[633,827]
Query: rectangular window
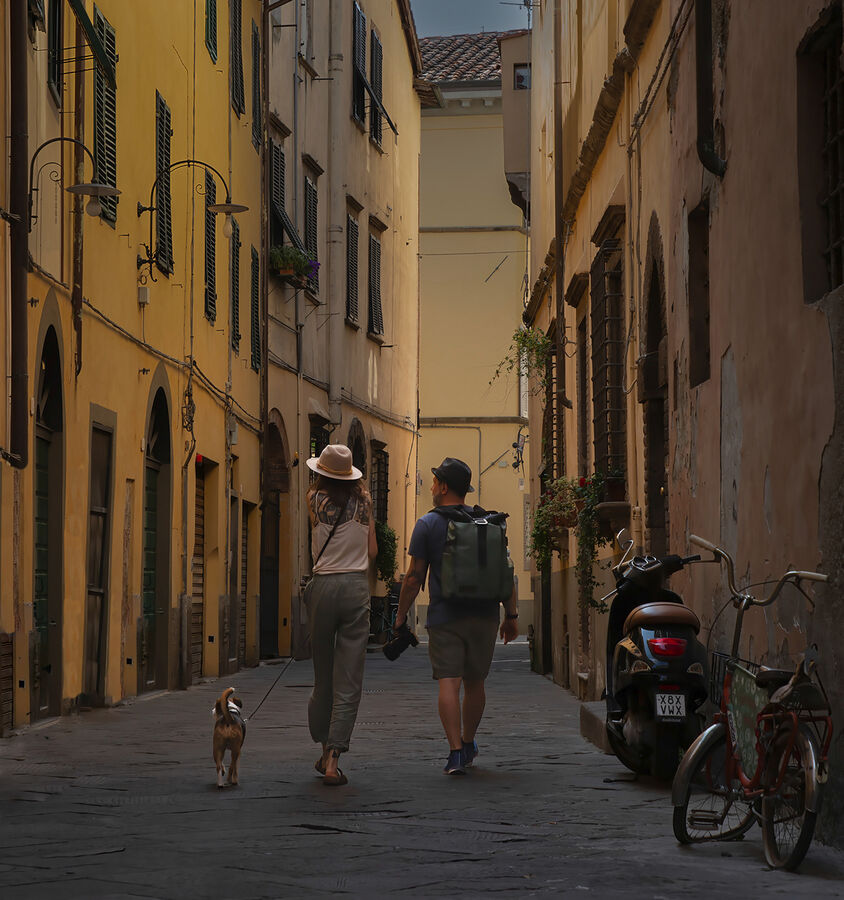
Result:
[256,87]
[235,286]
[211,28]
[359,65]
[105,118]
[255,310]
[210,248]
[699,294]
[607,332]
[376,67]
[352,241]
[552,419]
[276,194]
[582,400]
[55,50]
[319,436]
[163,206]
[311,244]
[376,317]
[380,483]
[521,77]
[236,58]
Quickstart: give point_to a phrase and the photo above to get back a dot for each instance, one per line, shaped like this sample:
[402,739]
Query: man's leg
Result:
[449,707]
[474,700]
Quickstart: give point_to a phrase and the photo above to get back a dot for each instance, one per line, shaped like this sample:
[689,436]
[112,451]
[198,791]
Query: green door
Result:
[149,597]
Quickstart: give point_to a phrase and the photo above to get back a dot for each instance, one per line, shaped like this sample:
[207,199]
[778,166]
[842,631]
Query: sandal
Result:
[336,780]
[319,765]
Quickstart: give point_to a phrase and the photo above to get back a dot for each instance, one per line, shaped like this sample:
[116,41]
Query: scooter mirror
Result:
[626,546]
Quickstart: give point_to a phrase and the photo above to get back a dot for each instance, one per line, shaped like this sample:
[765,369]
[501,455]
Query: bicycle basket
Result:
[718,670]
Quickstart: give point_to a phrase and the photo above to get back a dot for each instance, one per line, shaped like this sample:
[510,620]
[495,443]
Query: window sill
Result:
[376,338]
[314,298]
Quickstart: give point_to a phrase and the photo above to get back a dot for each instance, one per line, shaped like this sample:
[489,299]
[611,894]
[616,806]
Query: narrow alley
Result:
[122,802]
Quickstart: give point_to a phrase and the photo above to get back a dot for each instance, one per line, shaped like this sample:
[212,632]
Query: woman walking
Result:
[337,599]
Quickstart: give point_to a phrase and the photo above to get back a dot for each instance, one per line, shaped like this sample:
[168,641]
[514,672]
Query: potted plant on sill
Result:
[556,510]
[292,265]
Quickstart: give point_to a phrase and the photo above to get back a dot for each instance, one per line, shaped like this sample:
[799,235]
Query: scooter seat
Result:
[652,615]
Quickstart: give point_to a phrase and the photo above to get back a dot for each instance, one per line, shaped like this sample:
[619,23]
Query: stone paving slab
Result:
[122,803]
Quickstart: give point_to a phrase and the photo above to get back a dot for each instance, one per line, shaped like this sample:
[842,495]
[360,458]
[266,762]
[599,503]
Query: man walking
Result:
[461,635]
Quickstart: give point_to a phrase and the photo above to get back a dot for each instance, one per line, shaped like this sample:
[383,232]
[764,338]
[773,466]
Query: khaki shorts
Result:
[463,648]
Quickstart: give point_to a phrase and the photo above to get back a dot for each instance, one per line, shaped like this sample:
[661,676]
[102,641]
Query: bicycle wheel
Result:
[787,825]
[713,809]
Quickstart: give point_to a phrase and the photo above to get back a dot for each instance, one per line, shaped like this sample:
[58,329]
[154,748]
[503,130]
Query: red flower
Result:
[583,481]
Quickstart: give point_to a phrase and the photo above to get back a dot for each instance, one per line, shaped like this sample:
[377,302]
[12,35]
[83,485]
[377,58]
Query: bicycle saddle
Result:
[771,679]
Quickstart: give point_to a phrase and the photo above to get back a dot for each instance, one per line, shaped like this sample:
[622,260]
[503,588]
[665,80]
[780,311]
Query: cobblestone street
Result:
[122,803]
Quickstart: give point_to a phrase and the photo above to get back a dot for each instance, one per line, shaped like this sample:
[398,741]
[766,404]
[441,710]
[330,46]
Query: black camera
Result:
[403,639]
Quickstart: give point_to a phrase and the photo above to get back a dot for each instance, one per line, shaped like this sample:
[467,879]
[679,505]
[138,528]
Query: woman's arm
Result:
[373,541]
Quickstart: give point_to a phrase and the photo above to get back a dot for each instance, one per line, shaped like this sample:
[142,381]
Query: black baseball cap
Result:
[456,474]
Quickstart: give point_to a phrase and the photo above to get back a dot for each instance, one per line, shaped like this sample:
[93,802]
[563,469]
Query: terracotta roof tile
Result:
[462,57]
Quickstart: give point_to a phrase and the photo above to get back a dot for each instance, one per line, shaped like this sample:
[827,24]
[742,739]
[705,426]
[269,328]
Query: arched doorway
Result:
[654,397]
[155,588]
[48,477]
[276,542]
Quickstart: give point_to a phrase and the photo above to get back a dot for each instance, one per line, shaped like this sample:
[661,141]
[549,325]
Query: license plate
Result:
[670,706]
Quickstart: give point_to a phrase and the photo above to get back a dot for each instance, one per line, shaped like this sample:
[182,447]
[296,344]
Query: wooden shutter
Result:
[55,50]
[244,572]
[211,27]
[236,58]
[359,64]
[7,676]
[198,578]
[235,286]
[255,311]
[163,207]
[105,118]
[376,318]
[256,87]
[210,248]
[276,194]
[311,248]
[352,240]
[376,67]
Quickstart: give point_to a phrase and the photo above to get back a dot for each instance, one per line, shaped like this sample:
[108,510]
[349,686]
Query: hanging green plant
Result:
[386,562]
[589,538]
[555,510]
[529,352]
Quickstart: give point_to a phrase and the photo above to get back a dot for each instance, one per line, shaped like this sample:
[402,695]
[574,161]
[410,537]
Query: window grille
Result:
[380,483]
[55,73]
[255,310]
[211,28]
[376,316]
[256,87]
[105,118]
[607,326]
[359,65]
[235,286]
[210,248]
[833,159]
[236,58]
[552,420]
[352,241]
[319,438]
[376,68]
[311,247]
[163,206]
[582,400]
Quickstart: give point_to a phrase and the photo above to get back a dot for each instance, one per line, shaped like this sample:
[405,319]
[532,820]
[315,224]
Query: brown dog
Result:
[229,734]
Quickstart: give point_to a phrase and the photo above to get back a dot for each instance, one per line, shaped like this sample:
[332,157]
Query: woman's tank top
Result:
[348,549]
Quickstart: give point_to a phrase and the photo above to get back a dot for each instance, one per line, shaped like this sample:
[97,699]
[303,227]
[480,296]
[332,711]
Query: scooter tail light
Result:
[667,646]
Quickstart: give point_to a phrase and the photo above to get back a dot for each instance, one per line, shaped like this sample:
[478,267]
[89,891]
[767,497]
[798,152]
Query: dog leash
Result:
[286,665]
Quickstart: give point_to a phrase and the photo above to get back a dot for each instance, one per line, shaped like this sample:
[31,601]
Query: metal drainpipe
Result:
[78,205]
[18,454]
[559,238]
[337,115]
[703,53]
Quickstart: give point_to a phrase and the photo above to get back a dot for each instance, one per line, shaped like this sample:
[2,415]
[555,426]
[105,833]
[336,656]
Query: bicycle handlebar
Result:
[731,581]
[694,539]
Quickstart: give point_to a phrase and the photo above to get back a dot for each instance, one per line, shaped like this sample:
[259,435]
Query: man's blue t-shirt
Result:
[428,543]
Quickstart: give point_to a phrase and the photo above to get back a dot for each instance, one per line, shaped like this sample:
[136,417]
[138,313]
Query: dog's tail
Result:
[222,706]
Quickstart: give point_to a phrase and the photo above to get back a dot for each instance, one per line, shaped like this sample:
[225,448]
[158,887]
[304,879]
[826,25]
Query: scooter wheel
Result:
[626,756]
[667,752]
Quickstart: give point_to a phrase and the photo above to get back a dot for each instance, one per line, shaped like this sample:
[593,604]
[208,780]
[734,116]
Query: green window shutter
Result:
[311,247]
[105,118]
[255,311]
[235,286]
[376,318]
[163,206]
[211,28]
[352,240]
[210,248]
[256,88]
[375,79]
[236,58]
[276,194]
[358,64]
[55,50]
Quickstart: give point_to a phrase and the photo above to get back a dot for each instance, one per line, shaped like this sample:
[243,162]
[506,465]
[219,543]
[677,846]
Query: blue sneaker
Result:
[454,765]
[470,751]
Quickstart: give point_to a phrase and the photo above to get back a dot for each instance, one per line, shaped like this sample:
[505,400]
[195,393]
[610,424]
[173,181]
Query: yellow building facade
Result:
[473,245]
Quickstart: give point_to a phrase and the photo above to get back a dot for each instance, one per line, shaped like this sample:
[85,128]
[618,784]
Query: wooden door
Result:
[198,579]
[244,549]
[149,591]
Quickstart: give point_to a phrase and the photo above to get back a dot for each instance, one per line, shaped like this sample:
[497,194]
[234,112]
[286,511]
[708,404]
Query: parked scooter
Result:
[657,670]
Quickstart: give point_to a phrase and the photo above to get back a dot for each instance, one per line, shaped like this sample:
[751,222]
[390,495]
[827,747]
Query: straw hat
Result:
[335,461]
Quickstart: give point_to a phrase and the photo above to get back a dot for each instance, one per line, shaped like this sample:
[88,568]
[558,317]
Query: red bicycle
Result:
[765,757]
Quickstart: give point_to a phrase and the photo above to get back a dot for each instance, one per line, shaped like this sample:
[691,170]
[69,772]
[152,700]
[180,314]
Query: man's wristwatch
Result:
[511,616]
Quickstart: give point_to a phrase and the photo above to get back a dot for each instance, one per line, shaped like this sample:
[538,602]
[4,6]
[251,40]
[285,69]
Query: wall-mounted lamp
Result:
[94,189]
[227,208]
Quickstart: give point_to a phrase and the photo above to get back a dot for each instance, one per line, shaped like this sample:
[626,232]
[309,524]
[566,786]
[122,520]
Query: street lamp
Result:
[227,208]
[93,189]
